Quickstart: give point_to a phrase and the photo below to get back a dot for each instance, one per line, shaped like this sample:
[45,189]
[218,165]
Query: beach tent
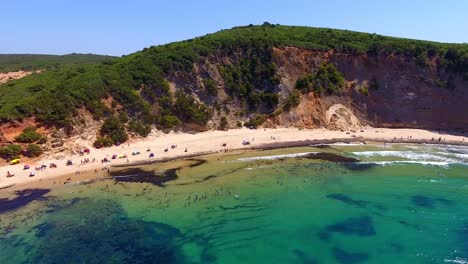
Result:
[15,161]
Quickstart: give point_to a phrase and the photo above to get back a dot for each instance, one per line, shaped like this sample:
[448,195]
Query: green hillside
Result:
[138,81]
[27,62]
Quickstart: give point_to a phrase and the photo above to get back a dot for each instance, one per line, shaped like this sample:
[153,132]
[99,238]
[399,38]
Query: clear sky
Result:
[117,27]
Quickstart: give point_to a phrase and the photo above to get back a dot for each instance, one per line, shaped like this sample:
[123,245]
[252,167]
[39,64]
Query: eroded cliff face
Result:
[408,95]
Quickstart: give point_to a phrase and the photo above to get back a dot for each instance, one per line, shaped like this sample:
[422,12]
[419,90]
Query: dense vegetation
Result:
[10,152]
[28,62]
[327,79]
[136,84]
[253,78]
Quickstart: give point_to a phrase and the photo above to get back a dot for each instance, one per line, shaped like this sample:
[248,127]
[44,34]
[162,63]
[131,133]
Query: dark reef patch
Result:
[141,176]
[197,162]
[22,198]
[78,234]
[225,208]
[360,226]
[42,229]
[329,157]
[345,257]
[207,178]
[322,146]
[347,200]
[462,241]
[428,202]
[422,201]
[57,205]
[303,258]
[357,166]
[395,247]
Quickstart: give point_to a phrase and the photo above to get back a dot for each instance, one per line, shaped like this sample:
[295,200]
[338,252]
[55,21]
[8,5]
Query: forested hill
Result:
[30,62]
[281,75]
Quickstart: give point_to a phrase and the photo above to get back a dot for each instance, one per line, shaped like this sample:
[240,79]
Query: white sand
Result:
[204,142]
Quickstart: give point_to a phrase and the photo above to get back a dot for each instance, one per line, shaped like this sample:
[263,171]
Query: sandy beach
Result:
[207,142]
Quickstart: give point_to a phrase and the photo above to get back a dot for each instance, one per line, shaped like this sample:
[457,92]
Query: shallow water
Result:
[397,204]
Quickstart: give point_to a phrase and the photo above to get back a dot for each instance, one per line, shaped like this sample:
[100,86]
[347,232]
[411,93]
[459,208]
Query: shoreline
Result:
[211,142]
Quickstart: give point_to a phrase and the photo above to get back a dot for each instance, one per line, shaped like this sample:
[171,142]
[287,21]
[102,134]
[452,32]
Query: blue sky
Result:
[120,27]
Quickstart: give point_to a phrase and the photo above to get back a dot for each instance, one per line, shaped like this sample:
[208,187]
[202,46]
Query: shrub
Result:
[29,135]
[113,128]
[363,89]
[123,117]
[169,121]
[42,140]
[139,128]
[210,87]
[256,121]
[291,101]
[223,123]
[239,124]
[33,150]
[189,110]
[10,151]
[103,142]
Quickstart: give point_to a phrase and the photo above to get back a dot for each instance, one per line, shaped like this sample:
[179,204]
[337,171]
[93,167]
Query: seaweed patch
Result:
[330,157]
[141,176]
[22,198]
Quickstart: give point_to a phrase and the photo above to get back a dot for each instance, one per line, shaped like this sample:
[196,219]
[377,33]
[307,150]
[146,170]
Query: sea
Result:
[338,203]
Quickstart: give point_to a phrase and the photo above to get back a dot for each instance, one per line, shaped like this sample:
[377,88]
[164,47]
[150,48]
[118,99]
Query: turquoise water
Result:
[396,204]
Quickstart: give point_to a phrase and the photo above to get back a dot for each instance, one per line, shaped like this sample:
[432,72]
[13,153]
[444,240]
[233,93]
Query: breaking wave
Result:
[413,155]
[425,163]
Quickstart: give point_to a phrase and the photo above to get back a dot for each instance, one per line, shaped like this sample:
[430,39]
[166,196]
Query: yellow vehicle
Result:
[14,161]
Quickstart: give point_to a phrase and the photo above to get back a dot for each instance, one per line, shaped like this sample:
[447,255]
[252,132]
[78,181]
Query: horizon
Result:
[119,28]
[208,33]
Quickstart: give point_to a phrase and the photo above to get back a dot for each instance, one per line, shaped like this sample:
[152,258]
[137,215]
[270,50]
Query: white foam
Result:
[461,156]
[346,144]
[457,260]
[425,163]
[412,155]
[430,180]
[273,157]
